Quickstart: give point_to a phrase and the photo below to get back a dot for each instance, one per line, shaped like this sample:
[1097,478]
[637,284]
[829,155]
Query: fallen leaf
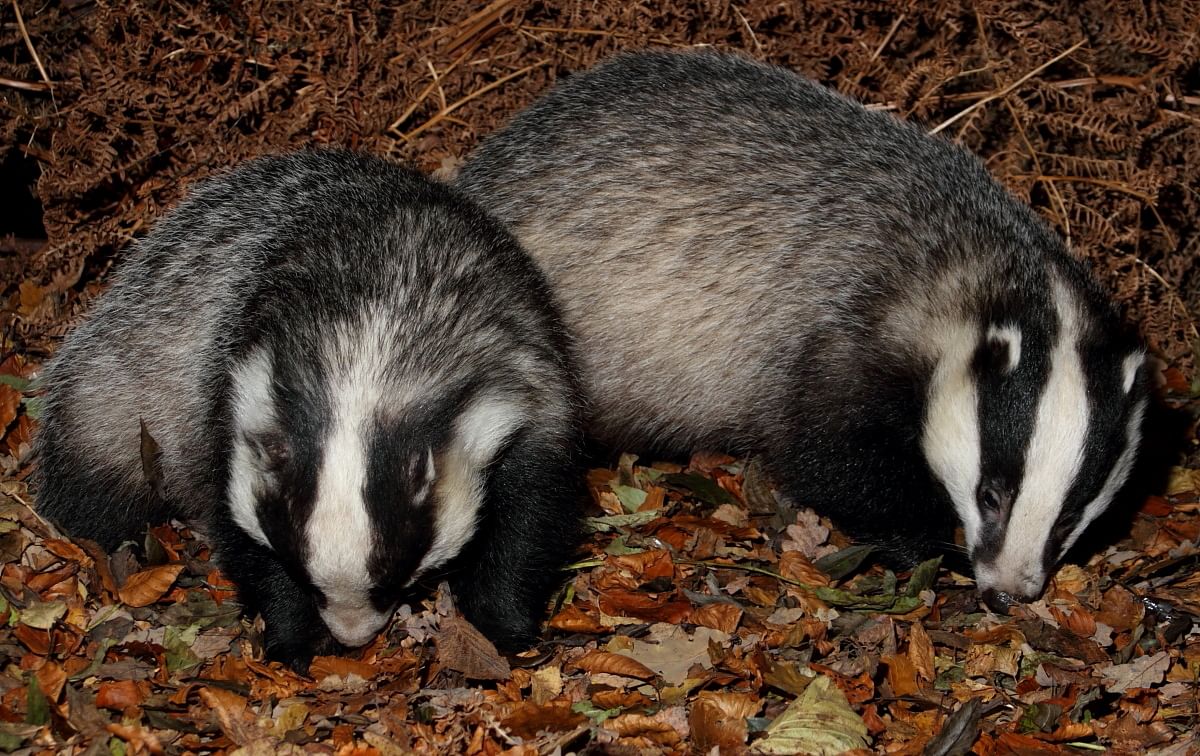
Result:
[120,695]
[614,664]
[920,651]
[527,719]
[671,652]
[718,720]
[324,666]
[819,722]
[462,648]
[546,683]
[145,587]
[718,615]
[43,615]
[959,732]
[1142,672]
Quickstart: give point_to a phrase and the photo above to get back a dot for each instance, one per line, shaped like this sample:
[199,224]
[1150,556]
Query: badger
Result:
[355,378]
[750,261]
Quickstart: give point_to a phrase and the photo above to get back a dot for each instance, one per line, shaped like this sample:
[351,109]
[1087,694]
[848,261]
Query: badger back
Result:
[829,285]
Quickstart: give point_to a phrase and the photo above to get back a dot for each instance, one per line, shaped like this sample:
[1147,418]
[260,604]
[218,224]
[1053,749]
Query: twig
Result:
[887,37]
[441,115]
[29,45]
[997,95]
[745,23]
[424,93]
[30,86]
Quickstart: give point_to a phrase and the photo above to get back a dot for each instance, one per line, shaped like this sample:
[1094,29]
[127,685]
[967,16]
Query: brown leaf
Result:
[614,664]
[464,649]
[719,616]
[1120,609]
[68,551]
[1128,736]
[229,710]
[1079,620]
[718,720]
[143,741]
[1044,637]
[920,651]
[664,607]
[145,587]
[528,719]
[901,675]
[572,619]
[633,725]
[325,666]
[121,695]
[10,400]
[795,566]
[51,677]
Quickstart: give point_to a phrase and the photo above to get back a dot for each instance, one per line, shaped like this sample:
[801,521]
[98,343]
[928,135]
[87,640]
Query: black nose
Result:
[999,601]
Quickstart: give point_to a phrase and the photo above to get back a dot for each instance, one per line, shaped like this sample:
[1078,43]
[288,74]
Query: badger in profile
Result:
[750,261]
[355,377]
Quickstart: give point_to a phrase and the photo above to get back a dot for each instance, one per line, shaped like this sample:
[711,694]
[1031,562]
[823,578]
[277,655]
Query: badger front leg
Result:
[294,632]
[529,531]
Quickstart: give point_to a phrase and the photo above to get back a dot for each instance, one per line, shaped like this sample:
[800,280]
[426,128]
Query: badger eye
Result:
[991,498]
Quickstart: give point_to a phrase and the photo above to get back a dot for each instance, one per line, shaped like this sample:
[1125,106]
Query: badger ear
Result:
[999,351]
[1130,368]
[271,450]
[420,471]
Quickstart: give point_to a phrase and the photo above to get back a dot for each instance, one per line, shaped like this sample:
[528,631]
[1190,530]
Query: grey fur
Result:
[310,260]
[750,261]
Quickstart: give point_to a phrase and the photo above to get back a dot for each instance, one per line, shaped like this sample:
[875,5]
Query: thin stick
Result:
[31,86]
[997,95]
[29,45]
[887,37]
[420,98]
[477,93]
[745,23]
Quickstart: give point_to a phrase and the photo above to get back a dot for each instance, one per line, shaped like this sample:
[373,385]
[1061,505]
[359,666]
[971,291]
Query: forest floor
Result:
[701,613]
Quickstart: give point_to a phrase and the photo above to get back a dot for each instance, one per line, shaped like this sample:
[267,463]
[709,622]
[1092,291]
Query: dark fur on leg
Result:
[533,526]
[294,630]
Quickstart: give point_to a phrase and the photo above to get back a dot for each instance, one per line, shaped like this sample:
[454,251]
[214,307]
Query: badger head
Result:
[360,475]
[1032,425]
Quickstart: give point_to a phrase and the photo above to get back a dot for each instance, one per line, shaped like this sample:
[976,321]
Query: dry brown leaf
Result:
[229,710]
[983,659]
[527,719]
[614,664]
[795,566]
[634,725]
[1078,620]
[920,651]
[325,666]
[121,695]
[145,587]
[50,678]
[719,616]
[901,675]
[572,619]
[718,720]
[462,648]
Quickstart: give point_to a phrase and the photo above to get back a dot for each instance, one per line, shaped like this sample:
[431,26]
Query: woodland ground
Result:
[700,615]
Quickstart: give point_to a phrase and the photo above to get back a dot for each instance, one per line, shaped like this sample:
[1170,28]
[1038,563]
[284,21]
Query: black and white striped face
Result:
[1032,425]
[358,484]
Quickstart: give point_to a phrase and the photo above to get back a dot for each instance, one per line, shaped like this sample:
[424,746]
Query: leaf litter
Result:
[704,613]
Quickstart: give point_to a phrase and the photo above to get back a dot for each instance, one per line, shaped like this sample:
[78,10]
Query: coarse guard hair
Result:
[355,377]
[751,261]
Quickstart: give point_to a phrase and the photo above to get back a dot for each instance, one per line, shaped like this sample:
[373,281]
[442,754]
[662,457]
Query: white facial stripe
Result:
[950,439]
[1011,336]
[1116,477]
[339,526]
[1052,462]
[479,433]
[1129,368]
[253,412]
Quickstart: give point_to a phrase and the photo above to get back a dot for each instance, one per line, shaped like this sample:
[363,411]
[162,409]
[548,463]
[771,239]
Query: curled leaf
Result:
[614,664]
[145,587]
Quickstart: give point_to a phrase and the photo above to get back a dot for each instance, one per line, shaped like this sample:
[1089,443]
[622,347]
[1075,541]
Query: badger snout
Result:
[1001,593]
[353,625]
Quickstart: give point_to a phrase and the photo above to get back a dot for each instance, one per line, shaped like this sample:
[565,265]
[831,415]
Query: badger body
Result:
[355,378]
[752,262]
